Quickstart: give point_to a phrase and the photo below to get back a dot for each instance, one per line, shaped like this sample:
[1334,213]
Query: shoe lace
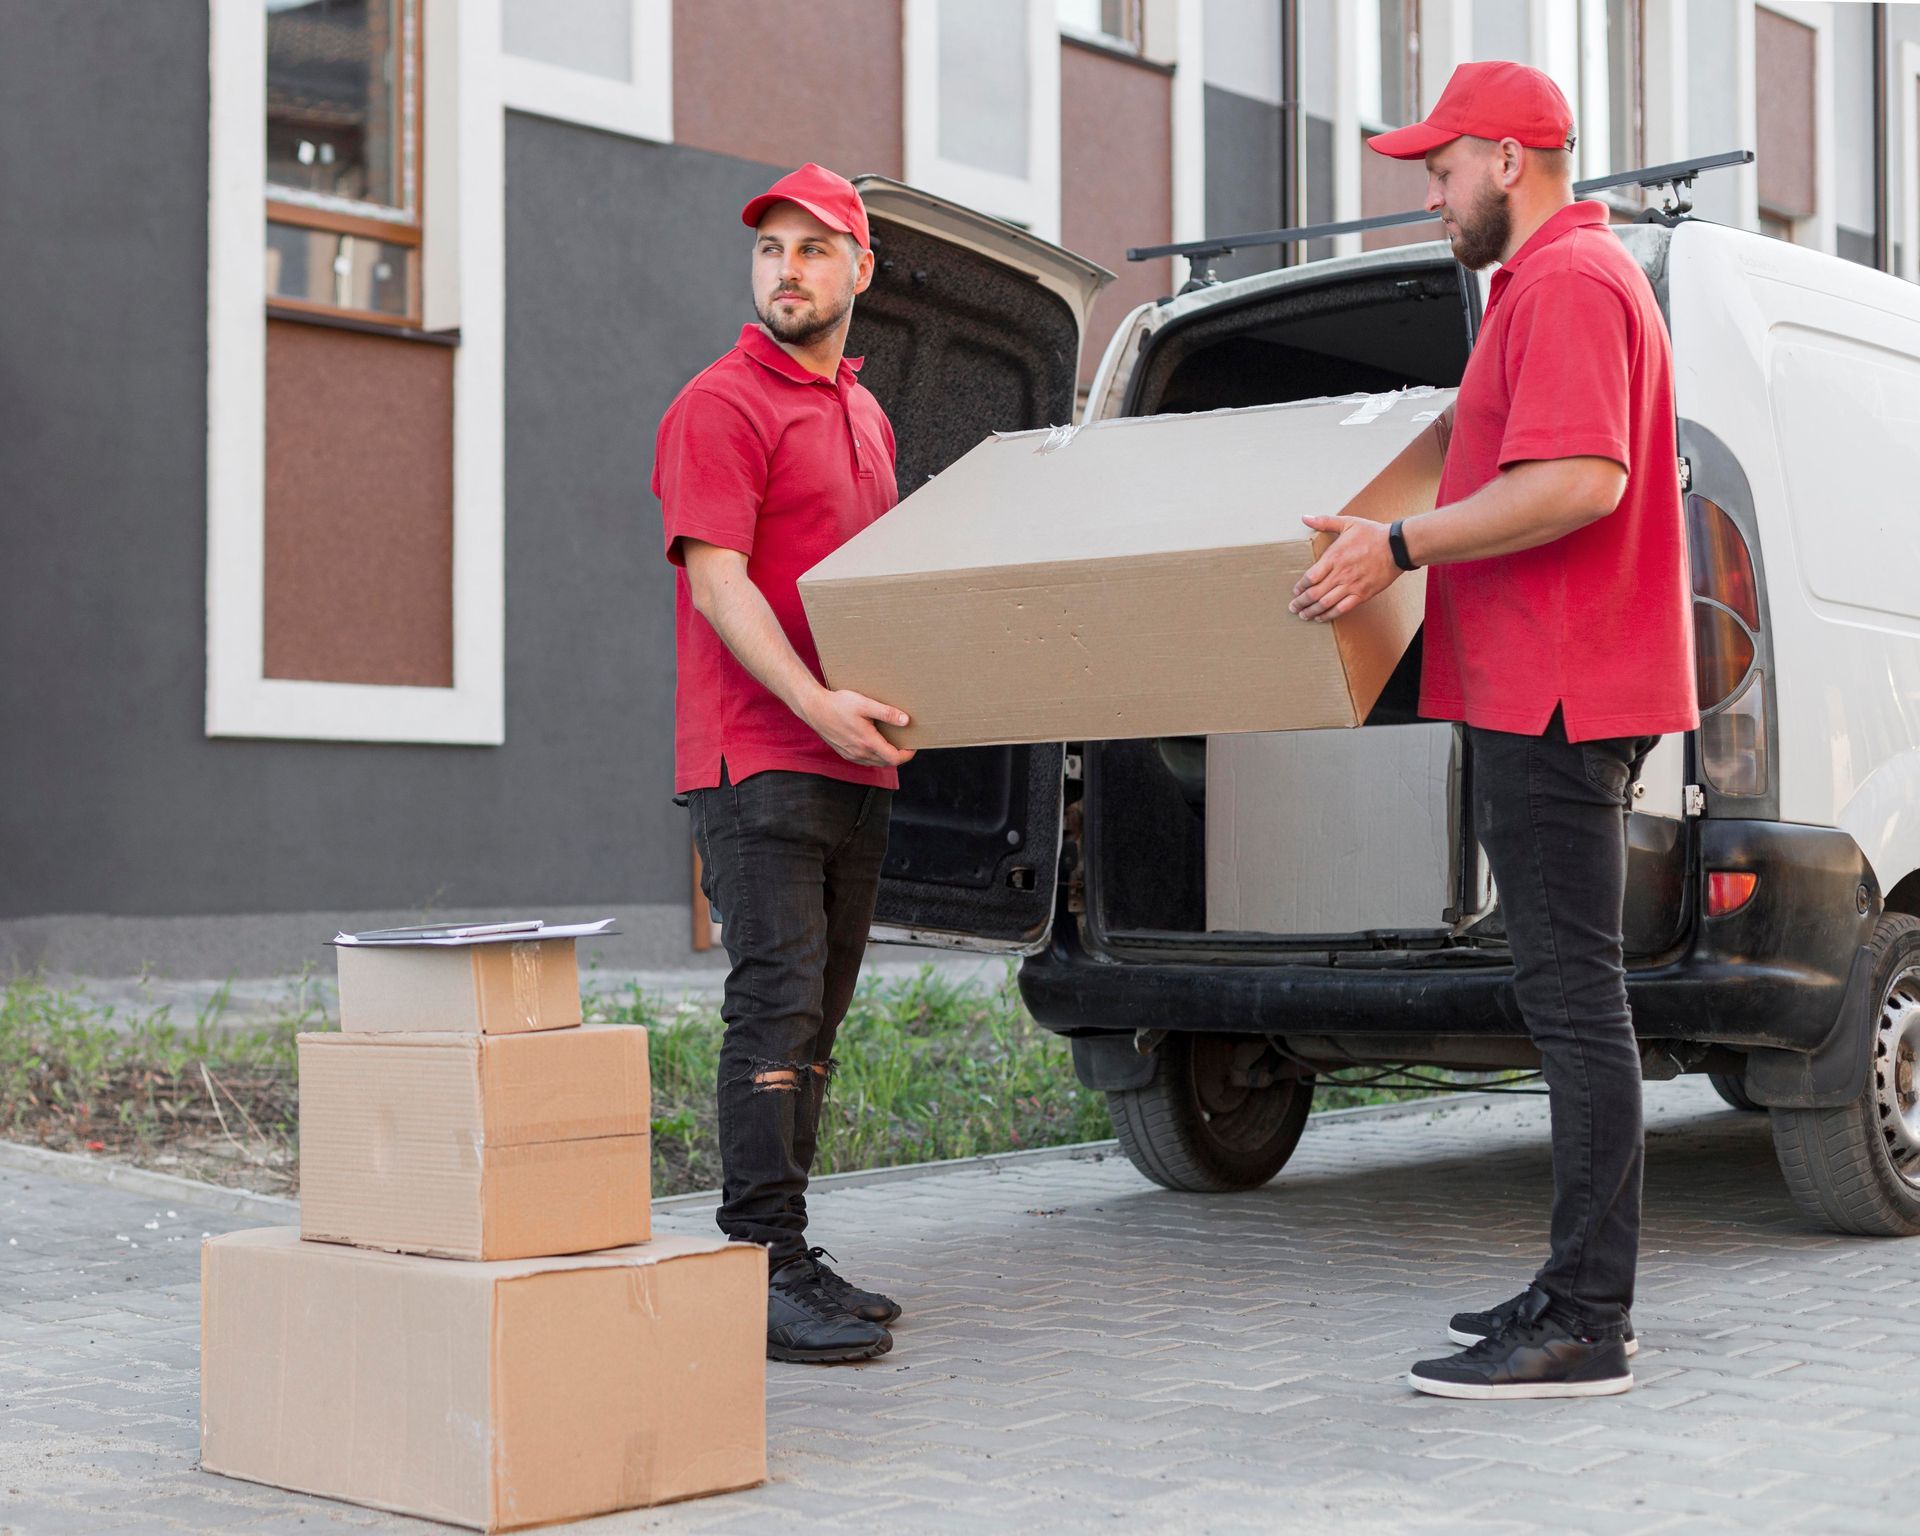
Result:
[833,1282]
[807,1282]
[1521,1315]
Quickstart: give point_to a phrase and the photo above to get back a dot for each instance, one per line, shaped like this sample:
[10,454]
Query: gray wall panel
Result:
[112,801]
[1243,174]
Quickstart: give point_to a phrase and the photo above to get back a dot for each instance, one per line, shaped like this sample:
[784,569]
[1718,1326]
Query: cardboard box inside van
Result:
[1127,579]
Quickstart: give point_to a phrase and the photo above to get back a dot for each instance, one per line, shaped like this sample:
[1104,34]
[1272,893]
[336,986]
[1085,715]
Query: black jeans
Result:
[791,861]
[1552,817]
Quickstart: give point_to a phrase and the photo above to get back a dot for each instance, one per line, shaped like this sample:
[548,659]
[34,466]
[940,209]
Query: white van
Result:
[1773,905]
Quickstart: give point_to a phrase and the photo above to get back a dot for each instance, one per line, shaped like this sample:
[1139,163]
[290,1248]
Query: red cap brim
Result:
[755,211]
[1412,142]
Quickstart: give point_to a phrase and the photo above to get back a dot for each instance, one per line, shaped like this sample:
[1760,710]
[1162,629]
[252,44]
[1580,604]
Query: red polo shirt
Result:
[1571,361]
[758,455]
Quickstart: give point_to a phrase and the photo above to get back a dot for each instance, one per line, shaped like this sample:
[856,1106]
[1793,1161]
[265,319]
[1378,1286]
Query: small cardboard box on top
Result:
[1129,578]
[488,1395]
[476,1146]
[483,988]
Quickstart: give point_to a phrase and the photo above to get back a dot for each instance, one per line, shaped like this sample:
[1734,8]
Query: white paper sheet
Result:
[457,935]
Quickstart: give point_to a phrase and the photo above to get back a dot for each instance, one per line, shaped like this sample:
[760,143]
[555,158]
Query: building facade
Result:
[337,332]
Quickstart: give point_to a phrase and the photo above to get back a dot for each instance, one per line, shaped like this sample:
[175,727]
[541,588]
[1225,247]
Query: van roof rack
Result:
[1676,176]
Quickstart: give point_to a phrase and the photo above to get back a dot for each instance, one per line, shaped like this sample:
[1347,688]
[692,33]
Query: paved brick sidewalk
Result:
[1083,1351]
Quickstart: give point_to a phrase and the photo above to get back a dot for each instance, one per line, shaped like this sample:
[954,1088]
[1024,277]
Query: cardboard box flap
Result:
[660,1250]
[566,1085]
[560,1085]
[1138,487]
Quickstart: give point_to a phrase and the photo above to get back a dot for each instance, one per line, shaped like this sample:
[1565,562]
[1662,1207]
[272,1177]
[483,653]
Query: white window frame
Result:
[1033,201]
[464,268]
[640,107]
[1910,170]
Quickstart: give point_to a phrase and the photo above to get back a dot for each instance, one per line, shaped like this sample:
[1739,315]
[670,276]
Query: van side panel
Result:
[1808,369]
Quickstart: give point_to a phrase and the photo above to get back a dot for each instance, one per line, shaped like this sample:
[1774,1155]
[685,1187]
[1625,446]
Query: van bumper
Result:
[1781,978]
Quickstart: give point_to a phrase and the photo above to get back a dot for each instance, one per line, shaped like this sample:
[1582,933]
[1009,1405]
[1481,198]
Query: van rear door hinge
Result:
[1695,800]
[1686,473]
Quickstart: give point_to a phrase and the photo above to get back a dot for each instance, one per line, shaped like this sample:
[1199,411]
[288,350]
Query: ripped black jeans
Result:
[1552,817]
[791,861]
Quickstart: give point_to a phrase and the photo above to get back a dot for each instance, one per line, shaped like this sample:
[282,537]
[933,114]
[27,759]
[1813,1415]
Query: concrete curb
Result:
[78,1169]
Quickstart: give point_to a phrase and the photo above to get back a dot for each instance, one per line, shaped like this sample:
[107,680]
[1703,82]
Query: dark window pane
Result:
[336,97]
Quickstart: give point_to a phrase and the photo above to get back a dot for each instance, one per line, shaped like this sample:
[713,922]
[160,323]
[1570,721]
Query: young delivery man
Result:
[1557,629]
[767,462]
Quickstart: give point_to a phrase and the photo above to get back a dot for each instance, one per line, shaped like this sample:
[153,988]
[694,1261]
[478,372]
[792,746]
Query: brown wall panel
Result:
[1783,58]
[769,82]
[1116,178]
[1393,186]
[359,508]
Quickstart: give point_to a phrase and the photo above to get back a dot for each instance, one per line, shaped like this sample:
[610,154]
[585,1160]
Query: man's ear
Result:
[1512,162]
[863,272]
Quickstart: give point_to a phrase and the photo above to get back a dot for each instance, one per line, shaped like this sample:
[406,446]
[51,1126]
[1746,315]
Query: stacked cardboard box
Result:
[472,1323]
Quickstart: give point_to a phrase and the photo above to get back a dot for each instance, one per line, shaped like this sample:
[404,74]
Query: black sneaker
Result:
[1534,1357]
[1472,1327]
[806,1322]
[869,1305]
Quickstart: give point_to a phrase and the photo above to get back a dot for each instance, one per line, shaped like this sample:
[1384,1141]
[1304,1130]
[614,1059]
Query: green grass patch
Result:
[928,1069]
[190,1096]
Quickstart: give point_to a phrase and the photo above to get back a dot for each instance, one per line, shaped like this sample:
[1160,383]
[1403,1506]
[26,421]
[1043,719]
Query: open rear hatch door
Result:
[972,326]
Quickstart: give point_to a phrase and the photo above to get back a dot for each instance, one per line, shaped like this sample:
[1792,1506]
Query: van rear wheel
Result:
[1194,1128]
[1857,1168]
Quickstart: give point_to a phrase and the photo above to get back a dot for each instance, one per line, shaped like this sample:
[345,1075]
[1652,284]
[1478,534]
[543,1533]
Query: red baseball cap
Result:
[1493,100]
[829,198]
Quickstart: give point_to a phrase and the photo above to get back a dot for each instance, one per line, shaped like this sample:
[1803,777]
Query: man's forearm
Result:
[740,615]
[1523,507]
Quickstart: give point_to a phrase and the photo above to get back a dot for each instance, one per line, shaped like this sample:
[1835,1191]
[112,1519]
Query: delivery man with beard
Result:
[1557,628]
[767,462]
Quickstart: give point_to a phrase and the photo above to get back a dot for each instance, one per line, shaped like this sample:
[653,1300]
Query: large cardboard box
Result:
[489,1395]
[1126,579]
[476,1146]
[1332,832]
[483,989]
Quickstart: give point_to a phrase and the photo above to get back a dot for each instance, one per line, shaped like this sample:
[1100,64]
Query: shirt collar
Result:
[763,349]
[1566,220]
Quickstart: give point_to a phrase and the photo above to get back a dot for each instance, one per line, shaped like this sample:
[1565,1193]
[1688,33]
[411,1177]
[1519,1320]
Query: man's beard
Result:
[798,327]
[1483,230]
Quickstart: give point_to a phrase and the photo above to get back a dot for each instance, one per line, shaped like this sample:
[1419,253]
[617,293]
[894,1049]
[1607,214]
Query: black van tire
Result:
[1839,1163]
[1732,1087]
[1191,1129]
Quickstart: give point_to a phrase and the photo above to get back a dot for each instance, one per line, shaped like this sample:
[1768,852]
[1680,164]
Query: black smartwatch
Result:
[1397,542]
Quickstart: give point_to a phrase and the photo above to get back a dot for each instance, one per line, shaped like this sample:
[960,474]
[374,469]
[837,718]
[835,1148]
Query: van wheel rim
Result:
[1896,1074]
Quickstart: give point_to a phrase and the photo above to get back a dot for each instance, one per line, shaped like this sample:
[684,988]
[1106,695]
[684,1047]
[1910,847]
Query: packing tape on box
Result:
[1058,438]
[526,982]
[1372,409]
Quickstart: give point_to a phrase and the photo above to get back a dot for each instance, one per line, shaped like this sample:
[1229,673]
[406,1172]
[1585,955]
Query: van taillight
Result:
[1722,567]
[1731,690]
[1722,653]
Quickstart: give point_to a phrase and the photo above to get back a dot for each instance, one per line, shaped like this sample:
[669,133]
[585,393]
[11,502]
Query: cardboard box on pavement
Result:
[489,1395]
[484,989]
[1127,579]
[476,1146]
